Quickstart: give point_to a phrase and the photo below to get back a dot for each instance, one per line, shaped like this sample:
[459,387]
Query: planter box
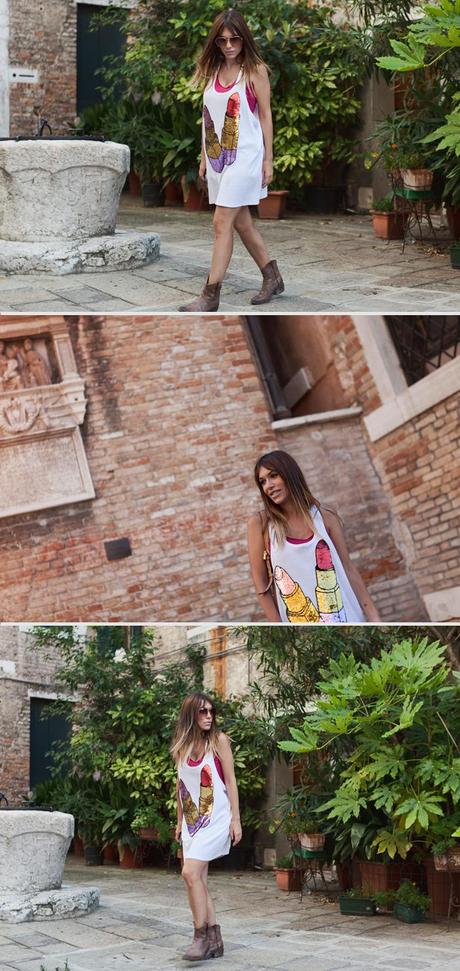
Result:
[417,178]
[358,906]
[93,855]
[312,841]
[274,206]
[289,880]
[408,914]
[388,225]
[152,194]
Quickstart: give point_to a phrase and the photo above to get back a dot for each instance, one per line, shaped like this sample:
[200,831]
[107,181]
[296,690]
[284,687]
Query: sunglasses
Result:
[206,711]
[223,41]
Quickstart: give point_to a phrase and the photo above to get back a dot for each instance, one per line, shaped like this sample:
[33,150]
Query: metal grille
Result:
[424,343]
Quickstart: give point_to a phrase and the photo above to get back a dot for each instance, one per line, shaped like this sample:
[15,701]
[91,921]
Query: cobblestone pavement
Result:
[329,264]
[143,924]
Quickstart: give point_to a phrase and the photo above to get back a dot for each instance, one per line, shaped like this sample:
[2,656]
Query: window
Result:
[423,344]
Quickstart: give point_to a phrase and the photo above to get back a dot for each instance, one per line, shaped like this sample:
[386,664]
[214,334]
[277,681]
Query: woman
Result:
[208,817]
[236,154]
[299,560]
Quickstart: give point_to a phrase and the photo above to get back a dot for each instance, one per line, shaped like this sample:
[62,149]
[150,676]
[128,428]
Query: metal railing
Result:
[424,343]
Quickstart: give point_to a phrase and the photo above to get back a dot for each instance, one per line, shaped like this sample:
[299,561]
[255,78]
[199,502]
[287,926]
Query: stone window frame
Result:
[401,402]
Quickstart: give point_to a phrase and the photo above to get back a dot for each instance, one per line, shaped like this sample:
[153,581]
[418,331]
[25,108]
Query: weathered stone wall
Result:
[43,37]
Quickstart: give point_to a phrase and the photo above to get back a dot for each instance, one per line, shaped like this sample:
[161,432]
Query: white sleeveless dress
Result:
[206,808]
[311,584]
[234,146]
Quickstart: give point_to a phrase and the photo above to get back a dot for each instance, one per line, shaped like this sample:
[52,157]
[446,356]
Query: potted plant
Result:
[288,876]
[414,171]
[387,222]
[149,825]
[274,205]
[309,835]
[358,901]
[410,904]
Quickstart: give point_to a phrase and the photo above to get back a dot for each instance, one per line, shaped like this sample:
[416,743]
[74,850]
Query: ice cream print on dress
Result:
[197,817]
[223,153]
[299,608]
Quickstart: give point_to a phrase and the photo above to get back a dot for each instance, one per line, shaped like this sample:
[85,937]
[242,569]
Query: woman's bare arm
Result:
[261,85]
[226,758]
[259,570]
[334,528]
[179,812]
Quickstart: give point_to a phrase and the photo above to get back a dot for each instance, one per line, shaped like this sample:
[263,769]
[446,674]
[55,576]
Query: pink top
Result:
[217,763]
[252,100]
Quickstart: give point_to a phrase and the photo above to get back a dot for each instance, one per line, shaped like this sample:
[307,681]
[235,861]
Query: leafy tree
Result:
[399,715]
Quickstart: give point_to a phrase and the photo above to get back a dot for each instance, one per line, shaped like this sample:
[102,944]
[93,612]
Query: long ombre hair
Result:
[302,499]
[212,58]
[188,735]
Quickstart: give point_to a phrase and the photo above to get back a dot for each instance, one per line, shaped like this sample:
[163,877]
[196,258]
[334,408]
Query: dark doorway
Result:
[93,46]
[48,724]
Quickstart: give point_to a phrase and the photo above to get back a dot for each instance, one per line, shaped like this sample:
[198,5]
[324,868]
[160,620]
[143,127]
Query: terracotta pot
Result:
[111,854]
[387,876]
[273,207]
[438,887]
[388,225]
[289,880]
[134,184]
[421,179]
[450,860]
[194,199]
[312,841]
[453,219]
[78,847]
[130,859]
[148,833]
[173,194]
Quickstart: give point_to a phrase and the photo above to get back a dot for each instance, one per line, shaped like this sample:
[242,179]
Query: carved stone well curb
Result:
[33,848]
[58,207]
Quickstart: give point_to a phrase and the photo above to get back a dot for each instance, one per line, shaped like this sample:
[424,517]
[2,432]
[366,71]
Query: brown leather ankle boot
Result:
[272,283]
[216,944]
[198,950]
[208,299]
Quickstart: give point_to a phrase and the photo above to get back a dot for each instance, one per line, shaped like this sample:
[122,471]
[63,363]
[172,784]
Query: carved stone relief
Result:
[42,403]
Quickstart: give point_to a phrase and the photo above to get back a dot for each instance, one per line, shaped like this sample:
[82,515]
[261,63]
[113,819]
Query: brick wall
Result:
[43,37]
[417,466]
[21,673]
[176,417]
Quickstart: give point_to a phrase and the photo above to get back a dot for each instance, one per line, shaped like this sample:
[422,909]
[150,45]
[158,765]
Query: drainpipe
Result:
[4,70]
[273,390]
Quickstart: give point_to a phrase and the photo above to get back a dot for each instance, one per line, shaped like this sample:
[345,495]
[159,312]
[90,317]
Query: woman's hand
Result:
[235,831]
[202,169]
[178,831]
[267,173]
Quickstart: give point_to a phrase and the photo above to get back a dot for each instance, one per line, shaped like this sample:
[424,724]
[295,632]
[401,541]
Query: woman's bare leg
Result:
[224,220]
[195,873]
[211,918]
[250,237]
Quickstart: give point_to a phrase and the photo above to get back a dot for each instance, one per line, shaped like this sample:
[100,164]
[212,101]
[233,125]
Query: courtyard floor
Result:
[329,264]
[143,924]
